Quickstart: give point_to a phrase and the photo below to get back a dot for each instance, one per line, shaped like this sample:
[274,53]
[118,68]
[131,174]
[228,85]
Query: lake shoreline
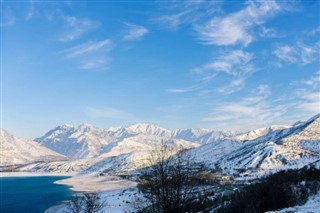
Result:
[80,183]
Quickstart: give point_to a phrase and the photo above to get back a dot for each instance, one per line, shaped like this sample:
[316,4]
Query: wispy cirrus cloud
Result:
[90,55]
[86,48]
[229,63]
[236,28]
[134,32]
[31,10]
[7,17]
[172,21]
[314,32]
[76,27]
[286,53]
[310,101]
[188,89]
[236,64]
[307,94]
[250,112]
[186,12]
[313,81]
[299,53]
[268,32]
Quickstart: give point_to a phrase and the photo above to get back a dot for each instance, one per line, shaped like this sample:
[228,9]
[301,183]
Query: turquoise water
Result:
[31,194]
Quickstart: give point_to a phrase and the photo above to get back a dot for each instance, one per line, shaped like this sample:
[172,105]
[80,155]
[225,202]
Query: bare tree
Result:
[93,203]
[76,204]
[170,184]
[86,203]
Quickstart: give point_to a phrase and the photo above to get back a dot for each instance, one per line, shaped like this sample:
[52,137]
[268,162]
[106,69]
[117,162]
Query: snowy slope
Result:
[254,134]
[84,141]
[291,147]
[15,150]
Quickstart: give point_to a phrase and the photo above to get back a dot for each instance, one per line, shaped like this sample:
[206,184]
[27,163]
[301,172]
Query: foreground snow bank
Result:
[311,206]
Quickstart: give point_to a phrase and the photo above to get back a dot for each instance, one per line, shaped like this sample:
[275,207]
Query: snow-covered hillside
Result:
[15,150]
[282,148]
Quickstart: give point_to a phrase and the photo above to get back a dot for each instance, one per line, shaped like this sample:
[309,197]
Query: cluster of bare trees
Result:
[171,183]
[86,203]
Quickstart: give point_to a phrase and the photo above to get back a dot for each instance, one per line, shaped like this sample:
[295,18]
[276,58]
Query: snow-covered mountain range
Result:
[123,149]
[87,141]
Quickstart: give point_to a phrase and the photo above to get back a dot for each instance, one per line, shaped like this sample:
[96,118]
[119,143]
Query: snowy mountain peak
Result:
[86,125]
[150,129]
[65,126]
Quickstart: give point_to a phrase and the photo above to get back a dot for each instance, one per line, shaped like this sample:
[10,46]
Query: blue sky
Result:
[234,65]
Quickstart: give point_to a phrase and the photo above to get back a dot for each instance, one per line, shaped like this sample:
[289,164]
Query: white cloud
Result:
[90,55]
[186,12]
[173,21]
[76,28]
[306,95]
[236,28]
[299,53]
[253,111]
[268,32]
[260,93]
[308,53]
[235,64]
[286,53]
[86,48]
[313,81]
[134,32]
[309,100]
[234,85]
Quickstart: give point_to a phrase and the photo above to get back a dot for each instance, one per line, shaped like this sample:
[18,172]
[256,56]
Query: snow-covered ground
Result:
[118,201]
[311,206]
[118,193]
